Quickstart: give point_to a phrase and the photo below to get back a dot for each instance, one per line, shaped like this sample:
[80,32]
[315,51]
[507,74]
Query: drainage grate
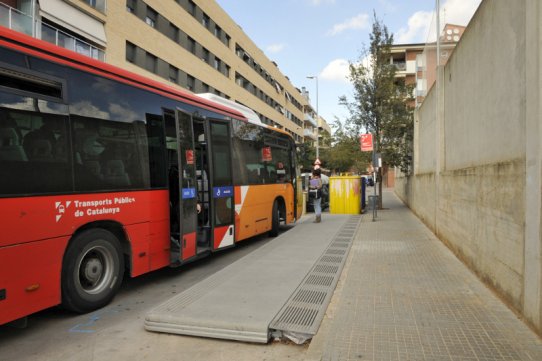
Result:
[326,268]
[310,296]
[331,259]
[300,317]
[336,251]
[318,280]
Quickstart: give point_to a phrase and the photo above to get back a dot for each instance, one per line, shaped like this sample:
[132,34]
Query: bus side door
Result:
[297,181]
[187,185]
[222,191]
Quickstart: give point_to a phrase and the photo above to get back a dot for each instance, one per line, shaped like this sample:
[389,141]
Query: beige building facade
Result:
[190,44]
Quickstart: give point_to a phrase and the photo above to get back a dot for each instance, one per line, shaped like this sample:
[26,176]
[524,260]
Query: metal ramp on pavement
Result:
[281,289]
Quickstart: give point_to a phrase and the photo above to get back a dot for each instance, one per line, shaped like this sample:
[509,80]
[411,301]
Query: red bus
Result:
[103,172]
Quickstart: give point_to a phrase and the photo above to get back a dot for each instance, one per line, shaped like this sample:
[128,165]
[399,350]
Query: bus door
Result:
[203,186]
[297,181]
[187,186]
[222,190]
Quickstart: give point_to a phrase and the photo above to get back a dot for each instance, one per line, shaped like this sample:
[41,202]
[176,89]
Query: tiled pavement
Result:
[404,296]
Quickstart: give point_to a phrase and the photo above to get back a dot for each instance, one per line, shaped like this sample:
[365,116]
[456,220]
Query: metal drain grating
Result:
[310,296]
[302,316]
[326,268]
[299,319]
[336,251]
[331,259]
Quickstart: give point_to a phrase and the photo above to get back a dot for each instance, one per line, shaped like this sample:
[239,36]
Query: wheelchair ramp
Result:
[241,301]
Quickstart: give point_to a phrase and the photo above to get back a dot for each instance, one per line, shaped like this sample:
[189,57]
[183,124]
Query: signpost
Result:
[366,144]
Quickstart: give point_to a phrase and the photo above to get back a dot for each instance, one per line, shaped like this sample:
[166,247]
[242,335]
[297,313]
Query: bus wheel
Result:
[275,220]
[92,270]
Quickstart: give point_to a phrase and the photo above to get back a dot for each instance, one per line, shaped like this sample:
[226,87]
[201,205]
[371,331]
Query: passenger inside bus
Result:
[281,173]
[10,146]
[39,144]
[10,139]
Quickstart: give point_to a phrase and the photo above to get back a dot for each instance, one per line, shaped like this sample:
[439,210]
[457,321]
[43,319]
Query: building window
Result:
[174,32]
[239,51]
[238,79]
[205,20]
[218,31]
[205,87]
[217,63]
[205,56]
[192,8]
[227,71]
[130,52]
[191,45]
[151,17]
[96,4]
[173,74]
[190,82]
[150,62]
[228,39]
[130,6]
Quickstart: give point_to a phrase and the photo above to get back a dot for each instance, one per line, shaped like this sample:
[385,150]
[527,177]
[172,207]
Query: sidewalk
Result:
[404,296]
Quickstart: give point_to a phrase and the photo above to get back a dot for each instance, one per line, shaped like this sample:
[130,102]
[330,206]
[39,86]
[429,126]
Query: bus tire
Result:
[92,270]
[275,220]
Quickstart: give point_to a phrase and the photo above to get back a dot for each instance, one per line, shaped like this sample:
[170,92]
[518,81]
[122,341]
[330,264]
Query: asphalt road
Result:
[117,332]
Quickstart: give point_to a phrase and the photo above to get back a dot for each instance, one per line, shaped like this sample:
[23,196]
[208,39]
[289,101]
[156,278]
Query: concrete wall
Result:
[477,157]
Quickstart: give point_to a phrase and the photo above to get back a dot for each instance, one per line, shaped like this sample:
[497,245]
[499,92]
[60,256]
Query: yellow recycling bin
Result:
[345,195]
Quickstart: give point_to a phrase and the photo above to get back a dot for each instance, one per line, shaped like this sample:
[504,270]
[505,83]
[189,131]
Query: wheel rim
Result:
[95,270]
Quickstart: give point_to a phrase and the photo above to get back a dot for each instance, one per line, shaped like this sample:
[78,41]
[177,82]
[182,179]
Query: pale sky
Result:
[320,37]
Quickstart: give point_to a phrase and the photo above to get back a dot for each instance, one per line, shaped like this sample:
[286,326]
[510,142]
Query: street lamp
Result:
[315,77]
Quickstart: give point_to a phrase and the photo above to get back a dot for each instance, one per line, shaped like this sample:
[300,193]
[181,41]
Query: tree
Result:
[306,156]
[382,103]
[344,155]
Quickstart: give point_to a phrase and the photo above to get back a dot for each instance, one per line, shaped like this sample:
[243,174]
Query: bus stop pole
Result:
[376,165]
[375,198]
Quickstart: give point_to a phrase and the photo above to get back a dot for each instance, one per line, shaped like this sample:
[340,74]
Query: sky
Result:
[321,37]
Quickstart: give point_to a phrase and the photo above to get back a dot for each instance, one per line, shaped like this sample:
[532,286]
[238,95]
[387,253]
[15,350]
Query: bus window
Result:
[107,155]
[33,147]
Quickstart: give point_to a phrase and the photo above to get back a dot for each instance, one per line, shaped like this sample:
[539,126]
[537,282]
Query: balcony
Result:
[308,133]
[60,38]
[15,20]
[310,119]
[400,65]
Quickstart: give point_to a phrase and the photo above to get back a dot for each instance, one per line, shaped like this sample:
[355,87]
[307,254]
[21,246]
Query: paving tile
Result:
[406,297]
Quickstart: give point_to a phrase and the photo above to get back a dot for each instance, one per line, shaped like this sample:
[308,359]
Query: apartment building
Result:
[416,63]
[192,44]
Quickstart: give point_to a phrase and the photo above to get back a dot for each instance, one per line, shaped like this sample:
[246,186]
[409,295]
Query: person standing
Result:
[315,187]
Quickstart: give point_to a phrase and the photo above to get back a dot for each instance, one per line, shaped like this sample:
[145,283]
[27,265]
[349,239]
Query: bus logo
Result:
[61,209]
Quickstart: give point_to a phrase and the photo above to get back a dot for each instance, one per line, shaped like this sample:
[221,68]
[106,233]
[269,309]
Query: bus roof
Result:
[29,45]
[250,114]
[246,111]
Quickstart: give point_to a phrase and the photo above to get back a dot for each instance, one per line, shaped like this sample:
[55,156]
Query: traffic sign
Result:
[366,142]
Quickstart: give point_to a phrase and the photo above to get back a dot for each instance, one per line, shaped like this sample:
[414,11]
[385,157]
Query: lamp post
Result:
[315,77]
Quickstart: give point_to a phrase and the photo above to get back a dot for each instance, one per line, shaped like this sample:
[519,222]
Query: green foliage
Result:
[306,154]
[382,103]
[345,155]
